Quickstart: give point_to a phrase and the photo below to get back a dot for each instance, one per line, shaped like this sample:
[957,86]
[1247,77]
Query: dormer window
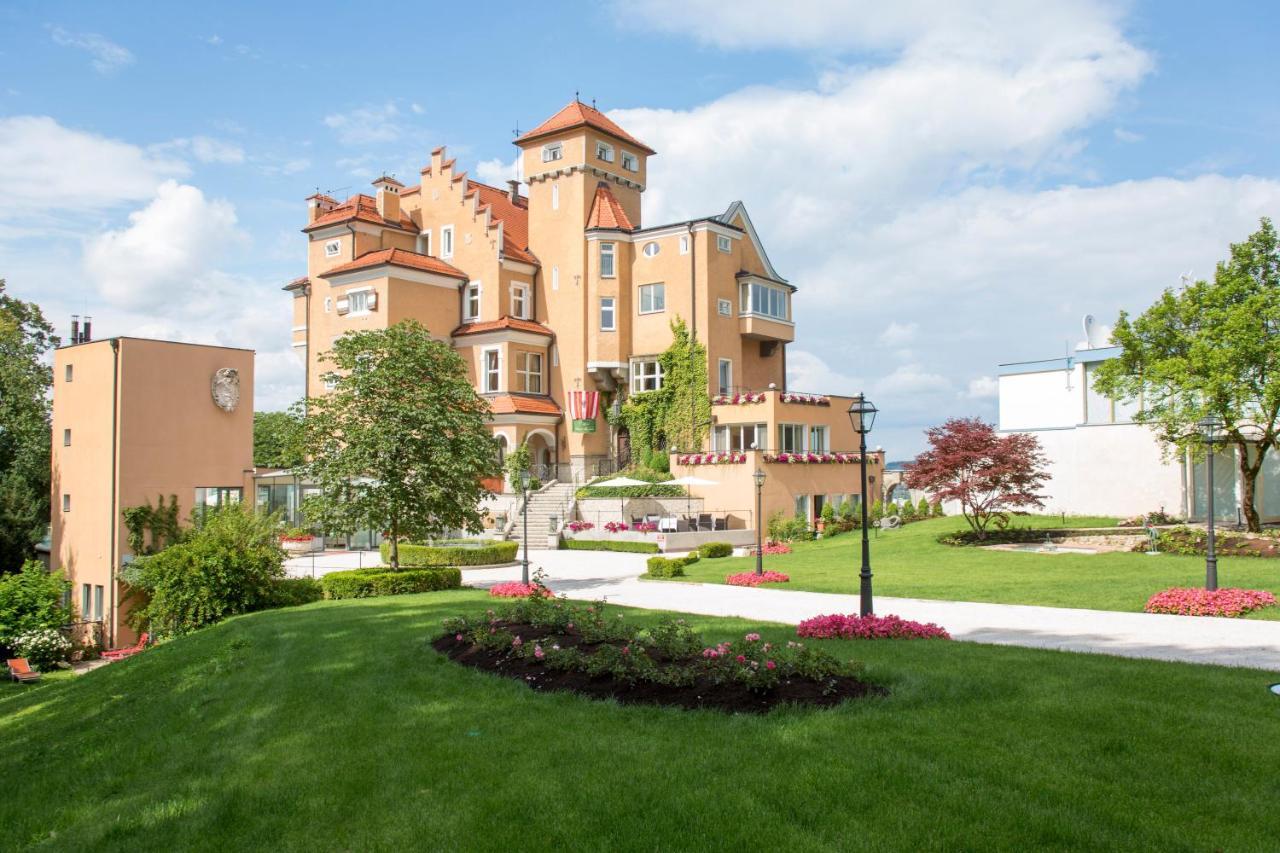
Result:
[629,162]
[604,151]
[553,151]
[332,248]
[724,244]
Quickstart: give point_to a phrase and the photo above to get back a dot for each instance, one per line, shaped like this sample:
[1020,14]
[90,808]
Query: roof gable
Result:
[737,216]
[578,114]
[607,212]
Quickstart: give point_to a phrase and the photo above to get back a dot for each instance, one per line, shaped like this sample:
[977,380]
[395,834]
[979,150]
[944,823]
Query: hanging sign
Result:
[584,406]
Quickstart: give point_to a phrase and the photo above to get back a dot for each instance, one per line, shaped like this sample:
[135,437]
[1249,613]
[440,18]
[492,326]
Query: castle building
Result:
[566,288]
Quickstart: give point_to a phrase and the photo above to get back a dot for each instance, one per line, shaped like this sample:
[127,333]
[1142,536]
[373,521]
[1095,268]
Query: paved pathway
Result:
[591,575]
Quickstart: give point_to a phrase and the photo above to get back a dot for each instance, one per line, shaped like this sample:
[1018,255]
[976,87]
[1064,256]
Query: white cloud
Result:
[496,172]
[47,169]
[1127,135]
[366,125]
[107,55]
[206,149]
[983,388]
[899,334]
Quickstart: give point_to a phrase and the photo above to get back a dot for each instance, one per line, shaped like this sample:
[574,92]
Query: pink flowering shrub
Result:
[615,526]
[722,458]
[515,589]
[753,579]
[579,526]
[1184,601]
[851,627]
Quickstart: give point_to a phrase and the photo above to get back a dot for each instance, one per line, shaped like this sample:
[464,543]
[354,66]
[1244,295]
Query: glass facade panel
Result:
[1225,505]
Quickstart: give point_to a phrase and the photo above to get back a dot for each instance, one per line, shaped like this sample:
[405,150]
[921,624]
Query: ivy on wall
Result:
[160,521]
[677,414]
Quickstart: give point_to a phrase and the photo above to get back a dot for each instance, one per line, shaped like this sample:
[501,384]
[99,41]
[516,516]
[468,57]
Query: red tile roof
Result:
[413,189]
[514,216]
[504,323]
[361,208]
[517,404]
[387,179]
[578,114]
[397,258]
[300,281]
[607,212]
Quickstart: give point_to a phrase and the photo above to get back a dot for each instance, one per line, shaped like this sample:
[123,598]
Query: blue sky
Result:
[950,185]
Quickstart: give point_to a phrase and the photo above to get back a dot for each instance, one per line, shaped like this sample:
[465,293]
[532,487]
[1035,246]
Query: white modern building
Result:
[1100,461]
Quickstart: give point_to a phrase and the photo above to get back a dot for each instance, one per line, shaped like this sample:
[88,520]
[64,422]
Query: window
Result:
[651,249]
[520,301]
[97,603]
[360,301]
[629,161]
[723,243]
[818,439]
[726,376]
[68,374]
[424,242]
[66,438]
[684,244]
[553,151]
[446,241]
[86,602]
[802,506]
[757,298]
[211,497]
[555,278]
[66,503]
[646,375]
[529,369]
[332,248]
[328,304]
[604,151]
[725,307]
[740,438]
[608,314]
[791,438]
[471,302]
[607,269]
[653,298]
[555,196]
[492,371]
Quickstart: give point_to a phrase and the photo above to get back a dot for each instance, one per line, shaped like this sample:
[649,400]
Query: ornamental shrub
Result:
[516,589]
[828,515]
[715,550]
[876,513]
[922,509]
[1196,601]
[670,567]
[937,510]
[42,647]
[432,556]
[907,512]
[290,592]
[853,627]
[604,545]
[369,584]
[31,599]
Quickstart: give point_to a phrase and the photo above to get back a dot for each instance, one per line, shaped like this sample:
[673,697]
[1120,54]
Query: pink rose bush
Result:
[1192,601]
[515,589]
[841,627]
[753,579]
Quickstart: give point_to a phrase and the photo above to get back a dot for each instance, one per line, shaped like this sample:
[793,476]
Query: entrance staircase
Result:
[555,501]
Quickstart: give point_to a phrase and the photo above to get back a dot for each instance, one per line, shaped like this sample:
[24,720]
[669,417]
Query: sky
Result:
[951,185]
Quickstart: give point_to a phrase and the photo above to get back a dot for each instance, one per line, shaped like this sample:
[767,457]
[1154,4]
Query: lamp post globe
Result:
[758,476]
[862,414]
[1210,428]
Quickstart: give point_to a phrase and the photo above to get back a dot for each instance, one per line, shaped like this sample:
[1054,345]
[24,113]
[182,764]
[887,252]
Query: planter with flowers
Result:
[738,399]
[807,399]
[297,540]
[724,458]
[812,458]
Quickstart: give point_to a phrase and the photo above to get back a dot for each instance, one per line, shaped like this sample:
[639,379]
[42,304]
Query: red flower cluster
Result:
[753,579]
[1184,601]
[812,458]
[851,627]
[515,589]
[579,526]
[711,458]
[616,526]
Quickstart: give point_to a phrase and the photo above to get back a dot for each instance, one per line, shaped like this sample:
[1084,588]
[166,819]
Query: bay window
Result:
[766,299]
[492,379]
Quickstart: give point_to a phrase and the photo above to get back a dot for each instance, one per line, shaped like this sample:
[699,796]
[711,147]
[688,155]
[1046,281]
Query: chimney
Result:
[87,333]
[75,328]
[388,197]
[318,205]
[515,191]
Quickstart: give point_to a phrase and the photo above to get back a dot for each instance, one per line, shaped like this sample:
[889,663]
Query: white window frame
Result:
[69,374]
[746,300]
[721,375]
[555,278]
[725,307]
[610,251]
[363,294]
[646,371]
[552,151]
[520,300]
[487,372]
[819,437]
[744,436]
[656,294]
[724,244]
[472,293]
[798,431]
[604,151]
[332,248]
[555,196]
[446,241]
[630,162]
[525,372]
[651,249]
[684,244]
[609,308]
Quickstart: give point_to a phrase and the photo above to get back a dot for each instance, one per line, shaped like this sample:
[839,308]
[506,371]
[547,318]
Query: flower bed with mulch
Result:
[552,645]
[1194,601]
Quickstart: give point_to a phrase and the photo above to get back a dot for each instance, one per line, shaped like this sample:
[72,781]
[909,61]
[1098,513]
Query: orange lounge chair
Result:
[20,670]
[118,654]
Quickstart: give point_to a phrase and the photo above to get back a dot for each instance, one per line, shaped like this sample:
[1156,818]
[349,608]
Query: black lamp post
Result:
[758,476]
[524,492]
[1211,433]
[863,415]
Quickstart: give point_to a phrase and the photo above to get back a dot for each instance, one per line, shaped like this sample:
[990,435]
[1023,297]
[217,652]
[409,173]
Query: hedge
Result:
[712,550]
[431,556]
[670,567]
[287,592]
[363,583]
[605,545]
[1013,535]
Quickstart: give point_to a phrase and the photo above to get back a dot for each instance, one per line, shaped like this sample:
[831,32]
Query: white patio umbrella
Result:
[621,483]
[687,481]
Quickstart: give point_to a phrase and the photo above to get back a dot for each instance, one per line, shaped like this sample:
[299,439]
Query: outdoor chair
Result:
[20,670]
[704,521]
[721,524]
[128,651]
[637,519]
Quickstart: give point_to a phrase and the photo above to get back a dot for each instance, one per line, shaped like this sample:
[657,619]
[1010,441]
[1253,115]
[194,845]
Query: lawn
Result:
[909,563]
[335,726]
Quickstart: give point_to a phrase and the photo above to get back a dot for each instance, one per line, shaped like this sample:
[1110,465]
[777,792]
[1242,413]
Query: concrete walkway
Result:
[589,575]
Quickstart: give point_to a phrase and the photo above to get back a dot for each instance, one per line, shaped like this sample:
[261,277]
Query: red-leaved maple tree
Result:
[989,474]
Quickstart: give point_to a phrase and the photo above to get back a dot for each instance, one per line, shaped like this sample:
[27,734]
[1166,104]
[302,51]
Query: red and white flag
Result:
[584,405]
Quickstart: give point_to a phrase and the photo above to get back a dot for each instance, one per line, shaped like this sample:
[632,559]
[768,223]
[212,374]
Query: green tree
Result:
[922,508]
[31,599]
[25,379]
[278,439]
[1212,348]
[401,442]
